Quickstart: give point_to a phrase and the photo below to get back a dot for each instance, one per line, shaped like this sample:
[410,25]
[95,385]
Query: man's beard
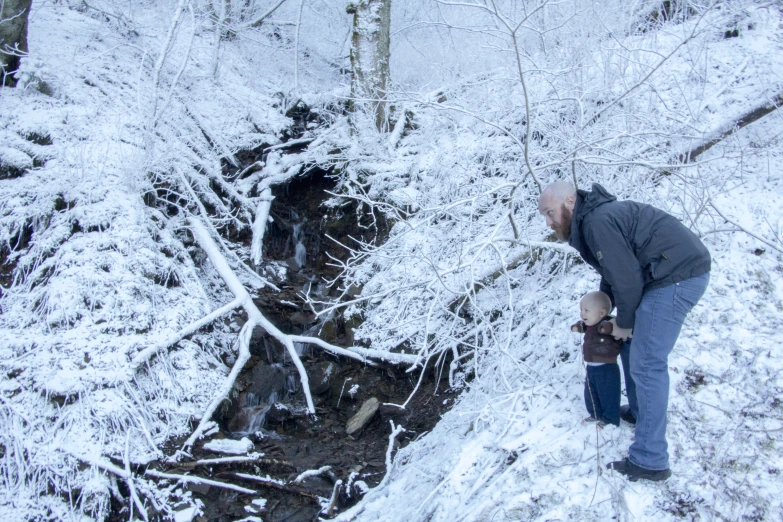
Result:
[563,229]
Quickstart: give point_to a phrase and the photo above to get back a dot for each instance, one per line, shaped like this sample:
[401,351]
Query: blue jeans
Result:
[602,393]
[659,319]
[630,387]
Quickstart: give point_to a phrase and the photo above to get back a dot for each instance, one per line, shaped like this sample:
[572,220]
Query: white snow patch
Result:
[230,447]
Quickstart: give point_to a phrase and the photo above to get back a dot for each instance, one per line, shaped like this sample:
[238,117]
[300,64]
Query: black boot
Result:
[634,472]
[626,415]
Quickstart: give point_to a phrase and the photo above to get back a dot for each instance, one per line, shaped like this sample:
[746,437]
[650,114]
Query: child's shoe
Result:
[589,419]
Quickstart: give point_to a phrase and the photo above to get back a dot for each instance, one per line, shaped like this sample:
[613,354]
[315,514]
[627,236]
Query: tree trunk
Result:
[13,37]
[370,56]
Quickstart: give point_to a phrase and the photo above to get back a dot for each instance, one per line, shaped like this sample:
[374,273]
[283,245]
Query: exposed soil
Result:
[268,405]
[303,442]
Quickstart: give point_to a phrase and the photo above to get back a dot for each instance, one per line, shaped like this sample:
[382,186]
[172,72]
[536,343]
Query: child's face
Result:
[590,312]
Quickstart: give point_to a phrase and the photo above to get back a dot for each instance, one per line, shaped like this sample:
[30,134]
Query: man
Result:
[655,270]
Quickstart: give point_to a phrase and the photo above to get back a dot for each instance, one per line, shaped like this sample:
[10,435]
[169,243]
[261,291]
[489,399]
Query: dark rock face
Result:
[322,375]
[278,413]
[267,383]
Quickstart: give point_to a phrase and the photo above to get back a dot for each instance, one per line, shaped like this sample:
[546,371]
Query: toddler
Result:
[600,351]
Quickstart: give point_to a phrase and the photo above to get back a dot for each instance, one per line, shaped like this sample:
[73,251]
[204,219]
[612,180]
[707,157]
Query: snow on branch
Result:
[146,354]
[190,479]
[312,473]
[258,21]
[259,225]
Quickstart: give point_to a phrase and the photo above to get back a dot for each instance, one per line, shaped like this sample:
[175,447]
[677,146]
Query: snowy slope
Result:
[141,101]
[513,447]
[123,115]
[517,450]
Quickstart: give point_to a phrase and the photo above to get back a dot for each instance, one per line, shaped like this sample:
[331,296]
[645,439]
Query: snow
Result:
[185,515]
[125,143]
[230,447]
[312,473]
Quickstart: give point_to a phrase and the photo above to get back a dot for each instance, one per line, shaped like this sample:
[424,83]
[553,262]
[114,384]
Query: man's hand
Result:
[620,333]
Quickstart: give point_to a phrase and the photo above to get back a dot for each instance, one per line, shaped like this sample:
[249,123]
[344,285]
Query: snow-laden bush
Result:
[144,106]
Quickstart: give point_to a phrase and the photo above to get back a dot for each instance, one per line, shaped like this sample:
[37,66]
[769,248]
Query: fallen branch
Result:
[253,457]
[259,225]
[396,430]
[288,144]
[312,473]
[335,495]
[258,21]
[189,479]
[146,354]
[228,384]
[100,463]
[743,121]
[255,317]
[360,354]
[277,484]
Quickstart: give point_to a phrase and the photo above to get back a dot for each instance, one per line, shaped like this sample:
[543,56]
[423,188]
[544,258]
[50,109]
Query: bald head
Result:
[558,192]
[556,204]
[593,307]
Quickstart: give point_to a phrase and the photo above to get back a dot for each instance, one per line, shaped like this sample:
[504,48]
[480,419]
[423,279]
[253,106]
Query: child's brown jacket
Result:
[599,346]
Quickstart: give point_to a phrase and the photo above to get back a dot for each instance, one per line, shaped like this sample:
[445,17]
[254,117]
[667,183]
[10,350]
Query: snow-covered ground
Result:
[142,100]
[514,447]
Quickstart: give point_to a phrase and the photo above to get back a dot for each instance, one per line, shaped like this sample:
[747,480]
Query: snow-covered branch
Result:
[260,19]
[145,355]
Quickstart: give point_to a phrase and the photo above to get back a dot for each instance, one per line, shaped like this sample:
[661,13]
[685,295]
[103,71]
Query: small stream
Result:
[269,407]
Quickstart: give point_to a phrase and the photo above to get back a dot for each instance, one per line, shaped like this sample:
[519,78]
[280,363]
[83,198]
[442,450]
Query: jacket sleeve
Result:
[606,288]
[619,265]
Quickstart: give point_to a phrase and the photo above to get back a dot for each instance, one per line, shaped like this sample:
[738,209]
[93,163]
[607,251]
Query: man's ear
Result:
[570,202]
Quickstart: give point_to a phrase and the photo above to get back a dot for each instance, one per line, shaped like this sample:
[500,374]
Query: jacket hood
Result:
[586,202]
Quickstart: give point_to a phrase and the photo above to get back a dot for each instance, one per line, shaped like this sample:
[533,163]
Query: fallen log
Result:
[720,135]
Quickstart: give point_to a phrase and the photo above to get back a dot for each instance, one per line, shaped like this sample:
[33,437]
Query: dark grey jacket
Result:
[635,247]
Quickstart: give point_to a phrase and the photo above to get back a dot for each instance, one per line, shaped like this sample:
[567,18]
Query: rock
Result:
[185,515]
[328,331]
[363,416]
[198,487]
[302,318]
[351,324]
[322,375]
[278,413]
[266,383]
[392,412]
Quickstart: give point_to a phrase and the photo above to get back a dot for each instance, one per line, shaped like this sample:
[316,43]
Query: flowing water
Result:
[268,405]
